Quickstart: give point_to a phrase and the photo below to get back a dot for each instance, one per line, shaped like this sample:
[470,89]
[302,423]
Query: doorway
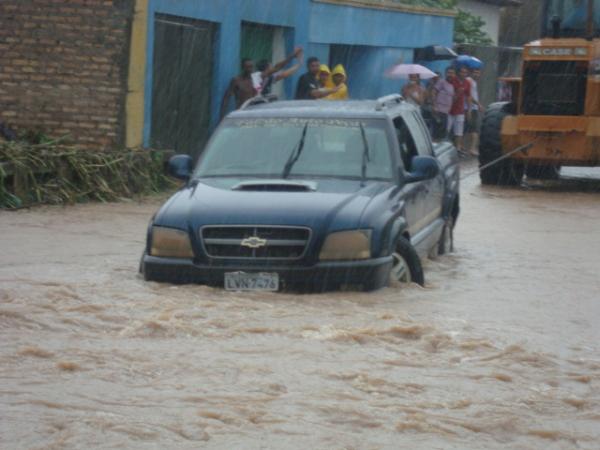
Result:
[260,42]
[257,41]
[182,83]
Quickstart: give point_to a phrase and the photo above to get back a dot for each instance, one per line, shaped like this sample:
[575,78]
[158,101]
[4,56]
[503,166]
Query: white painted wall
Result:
[489,13]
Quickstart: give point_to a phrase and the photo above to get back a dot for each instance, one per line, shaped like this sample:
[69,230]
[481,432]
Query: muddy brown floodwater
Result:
[500,351]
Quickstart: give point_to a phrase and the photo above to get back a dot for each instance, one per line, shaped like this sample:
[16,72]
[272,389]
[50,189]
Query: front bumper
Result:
[557,140]
[371,274]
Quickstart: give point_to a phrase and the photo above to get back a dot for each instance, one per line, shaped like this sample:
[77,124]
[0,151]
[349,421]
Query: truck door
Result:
[434,189]
[414,193]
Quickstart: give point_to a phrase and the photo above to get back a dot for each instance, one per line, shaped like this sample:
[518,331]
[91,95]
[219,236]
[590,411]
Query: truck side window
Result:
[416,126]
[408,150]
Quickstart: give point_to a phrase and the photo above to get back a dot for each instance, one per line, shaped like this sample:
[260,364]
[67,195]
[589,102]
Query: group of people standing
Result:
[450,105]
[319,82]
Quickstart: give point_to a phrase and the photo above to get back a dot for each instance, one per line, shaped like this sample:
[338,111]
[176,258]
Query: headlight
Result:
[171,243]
[354,244]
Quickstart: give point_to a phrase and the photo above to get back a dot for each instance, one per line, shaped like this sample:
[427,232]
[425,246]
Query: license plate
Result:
[242,281]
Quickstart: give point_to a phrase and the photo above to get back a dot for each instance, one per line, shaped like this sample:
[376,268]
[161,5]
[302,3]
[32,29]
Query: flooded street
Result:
[500,350]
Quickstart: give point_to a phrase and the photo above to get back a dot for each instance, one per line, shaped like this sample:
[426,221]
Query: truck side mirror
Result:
[180,167]
[423,168]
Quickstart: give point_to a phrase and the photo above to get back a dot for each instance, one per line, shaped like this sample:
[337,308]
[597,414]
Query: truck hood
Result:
[324,205]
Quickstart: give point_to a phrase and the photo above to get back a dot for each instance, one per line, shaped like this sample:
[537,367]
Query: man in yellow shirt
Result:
[325,77]
[338,77]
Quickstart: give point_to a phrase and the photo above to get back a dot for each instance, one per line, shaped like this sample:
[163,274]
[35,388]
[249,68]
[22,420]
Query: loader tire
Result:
[506,172]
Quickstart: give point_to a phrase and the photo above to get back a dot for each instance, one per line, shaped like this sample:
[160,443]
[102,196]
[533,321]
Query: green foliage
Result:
[468,28]
[55,174]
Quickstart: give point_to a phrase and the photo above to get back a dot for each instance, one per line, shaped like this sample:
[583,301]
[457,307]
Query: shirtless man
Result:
[241,87]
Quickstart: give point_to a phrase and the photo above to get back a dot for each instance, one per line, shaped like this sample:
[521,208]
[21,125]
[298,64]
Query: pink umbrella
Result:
[404,70]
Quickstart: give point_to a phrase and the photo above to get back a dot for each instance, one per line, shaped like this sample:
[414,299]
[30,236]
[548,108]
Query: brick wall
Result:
[63,68]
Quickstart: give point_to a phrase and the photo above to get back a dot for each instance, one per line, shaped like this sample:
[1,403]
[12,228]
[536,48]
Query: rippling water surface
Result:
[500,350]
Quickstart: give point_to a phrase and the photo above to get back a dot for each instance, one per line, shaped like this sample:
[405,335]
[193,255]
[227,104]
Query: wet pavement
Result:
[500,350]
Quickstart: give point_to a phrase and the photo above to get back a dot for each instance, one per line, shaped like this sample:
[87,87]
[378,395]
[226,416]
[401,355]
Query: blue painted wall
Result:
[377,27]
[366,69]
[379,39]
[385,38]
[228,15]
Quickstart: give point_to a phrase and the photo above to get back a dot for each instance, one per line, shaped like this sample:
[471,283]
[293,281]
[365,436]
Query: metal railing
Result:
[388,100]
[259,99]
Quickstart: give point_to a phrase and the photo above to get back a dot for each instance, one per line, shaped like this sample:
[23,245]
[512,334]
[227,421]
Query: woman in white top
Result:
[413,92]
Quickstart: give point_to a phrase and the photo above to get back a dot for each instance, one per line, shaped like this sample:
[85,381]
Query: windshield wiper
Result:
[295,154]
[366,157]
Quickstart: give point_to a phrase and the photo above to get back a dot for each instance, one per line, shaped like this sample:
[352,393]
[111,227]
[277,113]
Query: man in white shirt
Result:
[474,124]
[267,74]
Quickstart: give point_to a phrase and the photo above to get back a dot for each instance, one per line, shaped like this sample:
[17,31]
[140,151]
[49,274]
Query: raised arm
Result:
[281,64]
[292,70]
[323,92]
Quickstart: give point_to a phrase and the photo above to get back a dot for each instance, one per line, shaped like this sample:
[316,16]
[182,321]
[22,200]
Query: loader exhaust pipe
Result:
[590,20]
[556,22]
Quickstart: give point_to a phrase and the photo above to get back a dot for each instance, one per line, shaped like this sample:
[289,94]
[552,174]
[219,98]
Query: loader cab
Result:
[560,71]
[572,17]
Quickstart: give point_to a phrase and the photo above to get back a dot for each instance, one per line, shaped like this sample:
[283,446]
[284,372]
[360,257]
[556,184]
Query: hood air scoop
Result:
[276,186]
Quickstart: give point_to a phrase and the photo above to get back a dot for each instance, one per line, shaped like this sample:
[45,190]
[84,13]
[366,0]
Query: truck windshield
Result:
[573,14]
[330,148]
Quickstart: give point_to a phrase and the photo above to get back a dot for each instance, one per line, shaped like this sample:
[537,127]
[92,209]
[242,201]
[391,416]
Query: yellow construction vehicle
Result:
[554,116]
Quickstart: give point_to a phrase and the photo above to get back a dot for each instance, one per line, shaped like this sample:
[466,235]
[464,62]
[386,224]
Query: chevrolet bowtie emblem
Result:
[254,242]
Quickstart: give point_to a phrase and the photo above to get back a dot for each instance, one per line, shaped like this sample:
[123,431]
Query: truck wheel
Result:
[446,242]
[506,172]
[407,264]
[542,172]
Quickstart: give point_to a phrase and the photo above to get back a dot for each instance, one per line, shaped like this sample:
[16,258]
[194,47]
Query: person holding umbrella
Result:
[476,109]
[404,71]
[413,91]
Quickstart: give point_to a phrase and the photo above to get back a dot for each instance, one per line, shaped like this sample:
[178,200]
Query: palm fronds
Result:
[54,173]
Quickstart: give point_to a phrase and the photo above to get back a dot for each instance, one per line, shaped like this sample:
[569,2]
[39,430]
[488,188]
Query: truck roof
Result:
[380,108]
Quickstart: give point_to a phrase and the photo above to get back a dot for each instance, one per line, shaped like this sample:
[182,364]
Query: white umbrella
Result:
[405,70]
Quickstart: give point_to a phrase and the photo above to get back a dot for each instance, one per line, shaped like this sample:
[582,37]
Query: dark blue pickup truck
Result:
[308,194]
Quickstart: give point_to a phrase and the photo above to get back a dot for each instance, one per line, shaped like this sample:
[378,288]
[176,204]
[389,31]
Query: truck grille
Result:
[255,242]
